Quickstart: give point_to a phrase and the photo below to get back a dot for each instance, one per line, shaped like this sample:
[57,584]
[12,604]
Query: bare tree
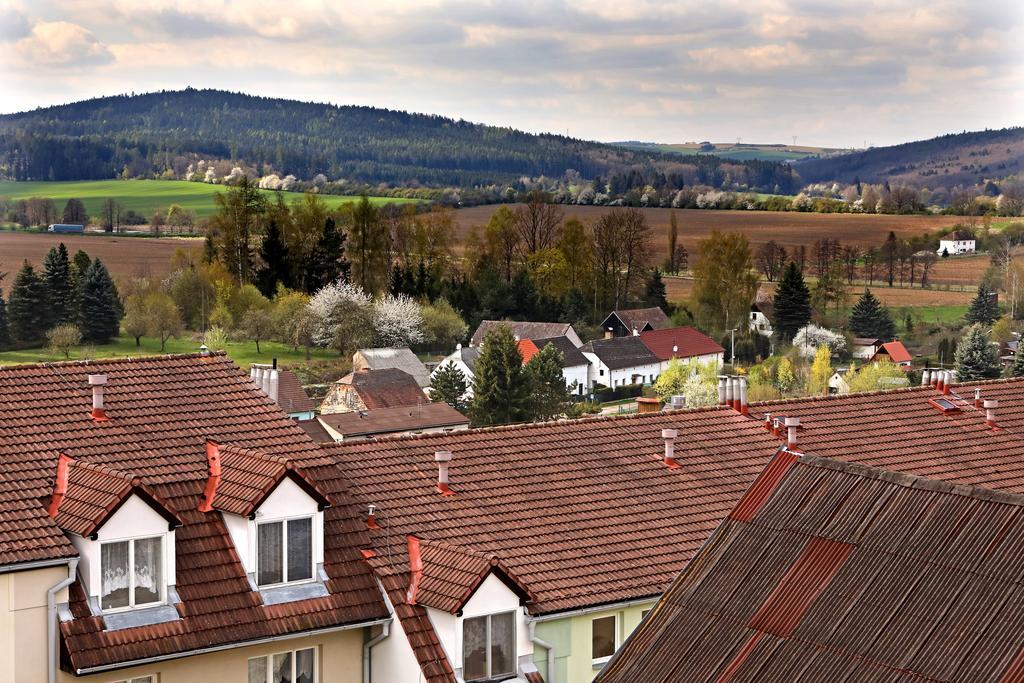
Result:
[851,254]
[927,260]
[621,252]
[871,257]
[771,259]
[538,222]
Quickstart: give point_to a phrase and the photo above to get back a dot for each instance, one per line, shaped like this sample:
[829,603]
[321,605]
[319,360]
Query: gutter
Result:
[595,608]
[37,564]
[228,646]
[52,654]
[550,673]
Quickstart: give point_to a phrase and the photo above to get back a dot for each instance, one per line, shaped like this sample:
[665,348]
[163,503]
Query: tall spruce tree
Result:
[275,268]
[792,302]
[984,307]
[327,262]
[27,307]
[550,394]
[975,357]
[869,318]
[99,310]
[654,291]
[1017,370]
[448,385]
[5,330]
[59,286]
[501,386]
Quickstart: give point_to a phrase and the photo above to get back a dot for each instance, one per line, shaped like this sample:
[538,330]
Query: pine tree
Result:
[654,291]
[984,307]
[975,357]
[501,386]
[5,330]
[27,307]
[550,394]
[327,262]
[1018,363]
[792,302]
[59,286]
[449,385]
[99,315]
[870,319]
[275,269]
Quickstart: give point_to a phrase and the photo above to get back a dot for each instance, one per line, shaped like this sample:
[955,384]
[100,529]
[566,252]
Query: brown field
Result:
[123,256]
[788,228]
[679,289]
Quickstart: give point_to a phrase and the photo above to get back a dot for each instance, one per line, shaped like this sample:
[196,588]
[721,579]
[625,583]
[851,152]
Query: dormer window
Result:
[131,573]
[489,647]
[284,551]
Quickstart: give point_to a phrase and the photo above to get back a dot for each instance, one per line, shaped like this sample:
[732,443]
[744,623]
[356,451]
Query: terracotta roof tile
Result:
[290,395]
[385,388]
[679,342]
[527,349]
[846,572]
[451,575]
[394,420]
[896,351]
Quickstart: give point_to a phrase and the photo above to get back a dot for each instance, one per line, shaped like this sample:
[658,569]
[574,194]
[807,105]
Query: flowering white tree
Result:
[802,202]
[397,321]
[810,337]
[288,181]
[270,182]
[319,179]
[236,174]
[342,317]
[210,176]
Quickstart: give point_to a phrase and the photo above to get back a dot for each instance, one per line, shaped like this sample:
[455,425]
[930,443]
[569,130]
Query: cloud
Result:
[14,24]
[60,44]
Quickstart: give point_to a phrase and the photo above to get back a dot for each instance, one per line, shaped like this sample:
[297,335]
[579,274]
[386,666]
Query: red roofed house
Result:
[684,343]
[575,366]
[372,389]
[894,352]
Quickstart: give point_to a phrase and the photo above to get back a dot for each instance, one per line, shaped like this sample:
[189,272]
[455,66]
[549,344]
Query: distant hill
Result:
[964,159]
[160,134]
[733,150]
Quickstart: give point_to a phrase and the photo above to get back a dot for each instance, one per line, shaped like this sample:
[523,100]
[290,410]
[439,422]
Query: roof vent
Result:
[990,412]
[204,350]
[677,401]
[443,458]
[98,382]
[977,397]
[792,426]
[371,517]
[669,435]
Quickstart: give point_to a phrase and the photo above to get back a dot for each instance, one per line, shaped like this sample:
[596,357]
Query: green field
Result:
[243,353]
[145,196]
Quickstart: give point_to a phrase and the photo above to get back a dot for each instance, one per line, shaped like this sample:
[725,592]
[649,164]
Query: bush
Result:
[618,393]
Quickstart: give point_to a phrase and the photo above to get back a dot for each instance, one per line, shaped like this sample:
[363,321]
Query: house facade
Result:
[575,366]
[619,361]
[401,358]
[683,343]
[956,243]
[463,358]
[624,322]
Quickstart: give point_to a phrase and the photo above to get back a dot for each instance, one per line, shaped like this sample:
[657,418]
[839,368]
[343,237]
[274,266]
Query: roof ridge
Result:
[85,362]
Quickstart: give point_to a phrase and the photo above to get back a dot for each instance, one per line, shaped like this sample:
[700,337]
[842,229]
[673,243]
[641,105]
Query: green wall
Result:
[571,637]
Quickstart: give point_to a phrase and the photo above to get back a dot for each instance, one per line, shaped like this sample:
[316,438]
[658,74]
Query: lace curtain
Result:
[148,564]
[114,570]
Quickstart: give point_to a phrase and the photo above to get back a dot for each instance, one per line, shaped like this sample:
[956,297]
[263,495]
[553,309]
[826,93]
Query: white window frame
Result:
[515,645]
[269,657]
[131,574]
[283,521]
[601,661]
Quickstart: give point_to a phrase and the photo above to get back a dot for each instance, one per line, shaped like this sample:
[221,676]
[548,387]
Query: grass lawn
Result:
[243,353]
[145,196]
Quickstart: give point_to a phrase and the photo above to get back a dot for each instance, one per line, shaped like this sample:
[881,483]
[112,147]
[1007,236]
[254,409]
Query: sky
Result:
[836,74]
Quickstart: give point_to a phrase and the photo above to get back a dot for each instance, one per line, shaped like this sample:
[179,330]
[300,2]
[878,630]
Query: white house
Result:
[464,358]
[956,243]
[620,361]
[760,322]
[684,343]
[575,366]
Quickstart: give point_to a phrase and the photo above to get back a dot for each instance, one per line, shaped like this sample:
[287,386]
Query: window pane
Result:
[503,644]
[114,572]
[283,668]
[144,679]
[474,648]
[304,662]
[300,549]
[148,570]
[603,637]
[270,548]
[258,670]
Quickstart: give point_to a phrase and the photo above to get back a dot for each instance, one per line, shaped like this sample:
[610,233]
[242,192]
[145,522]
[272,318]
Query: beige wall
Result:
[339,657]
[23,623]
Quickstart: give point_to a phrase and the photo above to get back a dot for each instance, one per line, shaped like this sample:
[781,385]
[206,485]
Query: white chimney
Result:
[990,412]
[204,350]
[443,458]
[721,389]
[273,383]
[669,435]
[947,380]
[636,332]
[728,391]
[97,382]
[743,395]
[926,377]
[977,397]
[792,425]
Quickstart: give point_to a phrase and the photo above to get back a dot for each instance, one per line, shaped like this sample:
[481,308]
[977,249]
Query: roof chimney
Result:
[609,333]
[977,397]
[443,458]
[947,381]
[273,383]
[938,380]
[776,426]
[728,391]
[60,488]
[415,569]
[926,377]
[768,421]
[213,461]
[990,412]
[204,350]
[98,382]
[669,435]
[721,389]
[792,425]
[744,409]
[935,378]
[636,332]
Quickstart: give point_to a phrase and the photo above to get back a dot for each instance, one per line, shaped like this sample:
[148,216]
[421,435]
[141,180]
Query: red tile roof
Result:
[844,573]
[527,349]
[679,342]
[385,388]
[451,575]
[896,351]
[290,395]
[400,419]
[162,410]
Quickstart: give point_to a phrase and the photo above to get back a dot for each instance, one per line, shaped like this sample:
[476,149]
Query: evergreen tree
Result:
[870,319]
[327,262]
[984,307]
[27,307]
[99,315]
[449,385]
[550,394]
[792,302]
[5,330]
[976,358]
[501,386]
[275,269]
[654,292]
[1017,370]
[59,286]
[574,307]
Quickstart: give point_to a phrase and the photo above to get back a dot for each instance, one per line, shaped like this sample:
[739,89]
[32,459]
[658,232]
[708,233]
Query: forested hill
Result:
[161,133]
[961,159]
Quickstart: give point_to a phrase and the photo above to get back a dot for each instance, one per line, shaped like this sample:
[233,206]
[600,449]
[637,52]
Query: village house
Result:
[400,358]
[761,317]
[463,358]
[284,388]
[371,389]
[527,330]
[575,366]
[957,242]
[894,352]
[864,348]
[622,323]
[683,343]
[619,361]
[427,418]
